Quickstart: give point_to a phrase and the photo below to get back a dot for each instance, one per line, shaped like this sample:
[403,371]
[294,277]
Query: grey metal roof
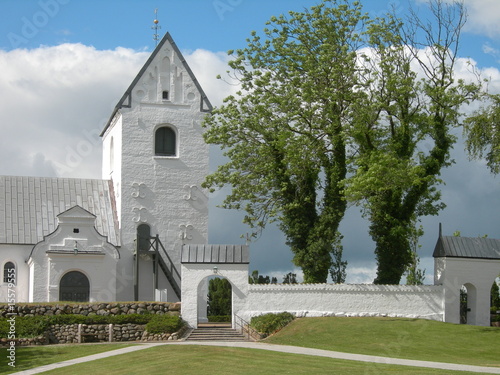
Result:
[467,247]
[126,99]
[29,206]
[235,254]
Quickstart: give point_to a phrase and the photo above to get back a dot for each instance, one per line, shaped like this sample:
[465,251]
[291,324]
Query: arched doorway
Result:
[75,287]
[468,304]
[219,299]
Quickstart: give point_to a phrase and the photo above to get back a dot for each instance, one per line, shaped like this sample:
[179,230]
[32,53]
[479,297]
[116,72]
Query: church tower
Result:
[155,155]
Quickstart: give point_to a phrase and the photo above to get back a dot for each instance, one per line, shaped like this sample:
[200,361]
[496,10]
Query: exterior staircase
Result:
[216,332]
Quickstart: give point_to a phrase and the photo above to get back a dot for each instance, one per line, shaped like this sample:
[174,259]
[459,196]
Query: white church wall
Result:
[112,158]
[16,254]
[315,300]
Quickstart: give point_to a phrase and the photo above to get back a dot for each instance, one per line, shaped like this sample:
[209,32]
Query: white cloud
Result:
[56,100]
[483,17]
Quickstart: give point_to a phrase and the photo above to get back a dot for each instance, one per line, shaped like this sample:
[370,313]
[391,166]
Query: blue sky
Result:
[69,61]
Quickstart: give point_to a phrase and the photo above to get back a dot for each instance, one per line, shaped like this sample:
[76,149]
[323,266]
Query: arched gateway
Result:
[201,261]
[470,262]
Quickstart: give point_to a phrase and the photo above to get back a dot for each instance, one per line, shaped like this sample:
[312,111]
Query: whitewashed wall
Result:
[346,300]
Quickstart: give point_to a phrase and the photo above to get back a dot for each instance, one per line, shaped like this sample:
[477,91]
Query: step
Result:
[216,334]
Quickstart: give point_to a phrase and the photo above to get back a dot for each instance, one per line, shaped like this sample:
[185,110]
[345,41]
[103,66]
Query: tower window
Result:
[165,141]
[165,95]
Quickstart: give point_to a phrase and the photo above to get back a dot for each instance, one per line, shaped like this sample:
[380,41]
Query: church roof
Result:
[29,206]
[126,99]
[467,247]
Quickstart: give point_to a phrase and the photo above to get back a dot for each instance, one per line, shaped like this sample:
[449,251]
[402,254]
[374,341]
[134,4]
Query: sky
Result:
[64,64]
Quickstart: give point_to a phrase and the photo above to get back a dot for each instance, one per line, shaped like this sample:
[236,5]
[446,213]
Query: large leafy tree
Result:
[284,132]
[405,139]
[336,106]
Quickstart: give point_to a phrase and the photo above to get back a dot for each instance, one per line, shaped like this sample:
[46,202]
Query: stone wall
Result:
[314,300]
[114,308]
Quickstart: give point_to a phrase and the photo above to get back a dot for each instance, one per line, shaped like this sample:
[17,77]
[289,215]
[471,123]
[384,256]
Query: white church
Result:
[119,238]
[131,235]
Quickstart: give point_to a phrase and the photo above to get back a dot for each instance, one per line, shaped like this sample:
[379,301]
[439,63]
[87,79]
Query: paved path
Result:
[276,348]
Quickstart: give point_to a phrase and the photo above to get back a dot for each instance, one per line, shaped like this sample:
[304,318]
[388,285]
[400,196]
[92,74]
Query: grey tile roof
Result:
[467,247]
[235,254]
[29,206]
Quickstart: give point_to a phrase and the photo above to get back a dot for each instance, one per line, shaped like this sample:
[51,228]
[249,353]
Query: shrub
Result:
[164,324]
[267,324]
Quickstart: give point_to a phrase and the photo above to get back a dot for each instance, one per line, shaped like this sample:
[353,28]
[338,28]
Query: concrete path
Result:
[277,348]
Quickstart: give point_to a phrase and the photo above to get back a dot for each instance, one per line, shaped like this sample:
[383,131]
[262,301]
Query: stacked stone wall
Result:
[75,333]
[89,309]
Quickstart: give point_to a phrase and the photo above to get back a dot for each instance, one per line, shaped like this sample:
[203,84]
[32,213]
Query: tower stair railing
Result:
[163,260]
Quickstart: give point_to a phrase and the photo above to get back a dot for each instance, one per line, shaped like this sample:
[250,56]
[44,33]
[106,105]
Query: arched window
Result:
[9,273]
[143,237]
[165,141]
[74,287]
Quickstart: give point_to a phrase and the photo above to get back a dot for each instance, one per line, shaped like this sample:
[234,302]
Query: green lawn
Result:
[398,338]
[29,357]
[196,360]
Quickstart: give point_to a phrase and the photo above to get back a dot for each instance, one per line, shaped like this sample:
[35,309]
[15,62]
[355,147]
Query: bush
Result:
[267,324]
[25,326]
[31,326]
[164,324]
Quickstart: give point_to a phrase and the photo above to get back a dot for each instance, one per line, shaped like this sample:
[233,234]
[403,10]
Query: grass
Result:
[399,338]
[30,357]
[195,360]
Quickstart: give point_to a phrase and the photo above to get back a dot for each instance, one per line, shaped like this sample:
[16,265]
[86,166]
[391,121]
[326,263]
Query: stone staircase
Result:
[216,332]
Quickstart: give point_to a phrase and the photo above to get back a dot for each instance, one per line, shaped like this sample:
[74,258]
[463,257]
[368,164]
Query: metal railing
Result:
[245,328]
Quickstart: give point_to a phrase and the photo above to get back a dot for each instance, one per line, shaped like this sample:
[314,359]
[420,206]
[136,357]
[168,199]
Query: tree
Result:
[284,132]
[482,132]
[330,91]
[290,278]
[338,271]
[255,278]
[415,275]
[219,297]
[415,99]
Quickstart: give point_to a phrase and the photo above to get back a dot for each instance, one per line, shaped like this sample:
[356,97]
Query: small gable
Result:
[165,79]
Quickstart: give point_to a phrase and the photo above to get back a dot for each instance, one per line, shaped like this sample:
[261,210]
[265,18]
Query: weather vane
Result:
[156,27]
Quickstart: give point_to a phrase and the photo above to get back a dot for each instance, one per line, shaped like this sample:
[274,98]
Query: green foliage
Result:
[338,267]
[219,318]
[30,326]
[483,133]
[290,278]
[338,107]
[219,297]
[267,324]
[284,132]
[25,326]
[255,278]
[403,133]
[495,296]
[164,324]
[415,275]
